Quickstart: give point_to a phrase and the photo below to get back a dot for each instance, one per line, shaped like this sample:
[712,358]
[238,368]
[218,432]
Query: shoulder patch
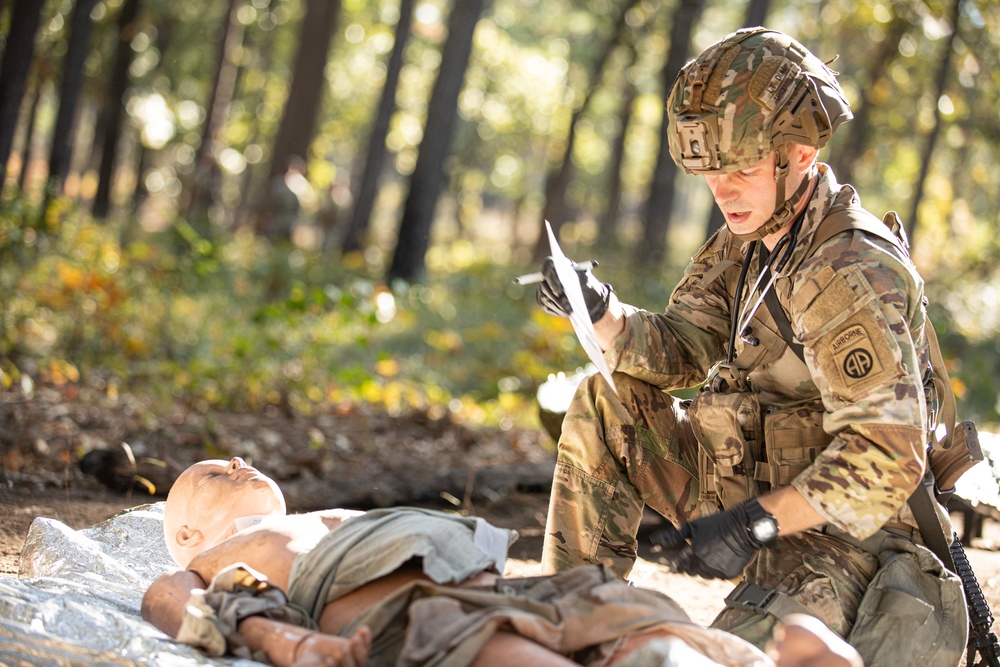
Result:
[857,356]
[832,302]
[854,352]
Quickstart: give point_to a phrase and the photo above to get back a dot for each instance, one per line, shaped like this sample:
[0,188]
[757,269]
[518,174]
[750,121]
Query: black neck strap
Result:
[779,316]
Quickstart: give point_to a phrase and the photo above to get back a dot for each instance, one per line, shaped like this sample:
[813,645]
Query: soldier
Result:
[795,460]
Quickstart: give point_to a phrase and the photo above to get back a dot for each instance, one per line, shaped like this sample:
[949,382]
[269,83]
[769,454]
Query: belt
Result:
[764,601]
[767,601]
[873,544]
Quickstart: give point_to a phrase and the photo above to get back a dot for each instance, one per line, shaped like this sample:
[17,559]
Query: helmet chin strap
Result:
[784,209]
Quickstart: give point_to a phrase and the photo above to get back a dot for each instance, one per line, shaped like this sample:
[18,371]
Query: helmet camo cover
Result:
[749,94]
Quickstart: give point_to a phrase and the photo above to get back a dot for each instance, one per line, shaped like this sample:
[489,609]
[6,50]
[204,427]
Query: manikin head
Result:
[205,502]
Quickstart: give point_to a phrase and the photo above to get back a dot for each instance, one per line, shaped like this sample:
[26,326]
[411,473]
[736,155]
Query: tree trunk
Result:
[558,181]
[69,96]
[18,54]
[942,81]
[114,106]
[29,136]
[198,195]
[756,15]
[262,44]
[140,194]
[428,178]
[144,155]
[661,193]
[860,128]
[305,95]
[607,229]
[367,188]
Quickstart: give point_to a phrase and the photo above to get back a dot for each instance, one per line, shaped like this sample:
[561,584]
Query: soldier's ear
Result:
[188,537]
[804,155]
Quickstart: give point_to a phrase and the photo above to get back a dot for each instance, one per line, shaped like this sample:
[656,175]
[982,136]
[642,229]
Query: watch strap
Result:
[756,514]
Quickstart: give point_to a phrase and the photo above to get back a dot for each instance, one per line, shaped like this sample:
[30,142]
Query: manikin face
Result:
[207,499]
[747,196]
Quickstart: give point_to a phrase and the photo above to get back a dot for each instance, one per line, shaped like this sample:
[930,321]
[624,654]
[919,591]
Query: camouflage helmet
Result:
[749,94]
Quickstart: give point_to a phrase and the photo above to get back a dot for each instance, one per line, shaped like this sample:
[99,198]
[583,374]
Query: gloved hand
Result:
[553,300]
[718,546]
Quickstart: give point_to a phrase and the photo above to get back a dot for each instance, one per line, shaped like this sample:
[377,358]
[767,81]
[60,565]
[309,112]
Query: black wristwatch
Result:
[762,524]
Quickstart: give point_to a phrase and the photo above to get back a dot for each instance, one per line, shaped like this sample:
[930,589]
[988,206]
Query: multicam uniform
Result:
[847,428]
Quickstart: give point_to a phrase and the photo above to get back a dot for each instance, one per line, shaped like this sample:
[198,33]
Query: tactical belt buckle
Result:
[765,601]
[750,597]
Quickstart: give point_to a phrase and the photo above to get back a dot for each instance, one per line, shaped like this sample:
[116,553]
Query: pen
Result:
[531,278]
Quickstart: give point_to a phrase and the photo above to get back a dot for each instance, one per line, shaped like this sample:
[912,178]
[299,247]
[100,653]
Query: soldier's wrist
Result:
[762,526]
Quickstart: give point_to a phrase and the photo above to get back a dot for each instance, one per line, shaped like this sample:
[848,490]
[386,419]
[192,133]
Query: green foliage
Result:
[237,324]
[232,322]
[240,325]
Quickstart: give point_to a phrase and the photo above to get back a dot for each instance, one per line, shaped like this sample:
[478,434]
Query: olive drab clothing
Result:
[846,424]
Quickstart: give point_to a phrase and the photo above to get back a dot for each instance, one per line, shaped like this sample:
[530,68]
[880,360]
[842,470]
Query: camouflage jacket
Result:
[856,306]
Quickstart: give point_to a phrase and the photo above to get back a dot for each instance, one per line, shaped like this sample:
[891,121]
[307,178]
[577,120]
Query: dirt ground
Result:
[87,503]
[352,456]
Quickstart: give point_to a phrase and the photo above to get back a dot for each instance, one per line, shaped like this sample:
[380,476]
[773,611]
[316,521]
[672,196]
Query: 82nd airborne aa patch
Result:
[856,357]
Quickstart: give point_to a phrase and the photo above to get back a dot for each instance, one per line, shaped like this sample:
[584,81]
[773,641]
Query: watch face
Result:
[765,530]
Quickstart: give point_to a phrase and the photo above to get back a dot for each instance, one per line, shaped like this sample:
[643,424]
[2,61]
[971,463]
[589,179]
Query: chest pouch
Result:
[793,437]
[726,420]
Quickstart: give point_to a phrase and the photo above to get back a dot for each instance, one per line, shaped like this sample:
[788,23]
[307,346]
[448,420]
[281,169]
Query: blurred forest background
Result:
[277,206]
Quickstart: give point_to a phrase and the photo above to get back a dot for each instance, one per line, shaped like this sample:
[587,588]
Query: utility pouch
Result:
[792,439]
[913,612]
[727,426]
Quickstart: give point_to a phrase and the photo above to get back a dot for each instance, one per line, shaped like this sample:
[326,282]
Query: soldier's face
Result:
[747,197]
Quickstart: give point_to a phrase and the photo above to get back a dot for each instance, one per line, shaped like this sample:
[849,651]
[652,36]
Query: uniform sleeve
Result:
[858,311]
[676,348]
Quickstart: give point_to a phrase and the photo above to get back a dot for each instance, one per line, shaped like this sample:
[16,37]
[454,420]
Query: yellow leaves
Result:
[959,387]
[70,277]
[94,289]
[60,372]
[445,340]
[136,347]
[354,261]
[387,367]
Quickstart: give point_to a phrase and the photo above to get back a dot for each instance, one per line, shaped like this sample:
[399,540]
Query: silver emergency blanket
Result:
[77,597]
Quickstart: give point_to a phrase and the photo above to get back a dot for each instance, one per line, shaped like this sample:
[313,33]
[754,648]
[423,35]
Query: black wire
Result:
[790,240]
[734,311]
[793,235]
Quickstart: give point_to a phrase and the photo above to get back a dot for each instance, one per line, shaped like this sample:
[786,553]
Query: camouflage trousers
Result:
[618,454]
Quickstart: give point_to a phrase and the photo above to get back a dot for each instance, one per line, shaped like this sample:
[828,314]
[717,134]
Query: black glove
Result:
[718,546]
[553,299]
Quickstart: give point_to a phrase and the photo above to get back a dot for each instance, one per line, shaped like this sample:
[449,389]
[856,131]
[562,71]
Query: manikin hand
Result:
[717,546]
[552,297]
[321,650]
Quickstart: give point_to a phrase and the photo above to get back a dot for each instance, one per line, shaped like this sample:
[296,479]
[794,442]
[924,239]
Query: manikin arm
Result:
[285,645]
